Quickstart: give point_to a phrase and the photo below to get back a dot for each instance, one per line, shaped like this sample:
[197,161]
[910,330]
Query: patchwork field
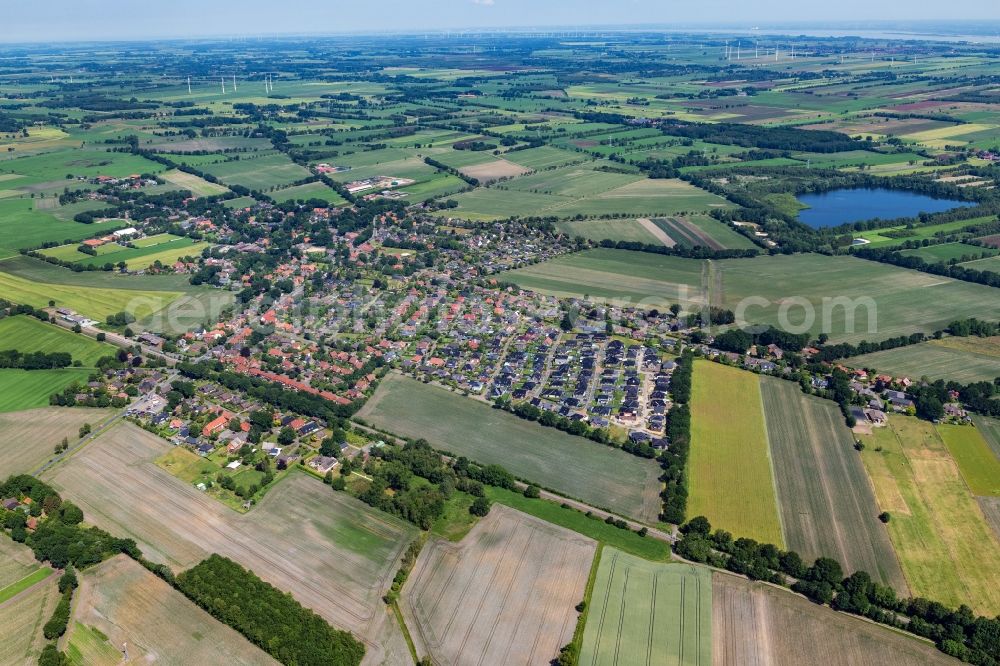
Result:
[28,389]
[905,302]
[646,613]
[27,438]
[28,334]
[163,248]
[754,624]
[594,473]
[120,602]
[616,230]
[334,554]
[827,504]
[730,477]
[945,547]
[504,595]
[18,567]
[958,359]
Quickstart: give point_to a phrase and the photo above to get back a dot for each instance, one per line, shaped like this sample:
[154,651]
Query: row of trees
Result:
[739,340]
[958,272]
[674,459]
[696,252]
[957,632]
[12,358]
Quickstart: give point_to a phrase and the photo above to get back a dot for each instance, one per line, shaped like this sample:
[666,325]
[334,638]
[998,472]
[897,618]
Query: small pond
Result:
[831,209]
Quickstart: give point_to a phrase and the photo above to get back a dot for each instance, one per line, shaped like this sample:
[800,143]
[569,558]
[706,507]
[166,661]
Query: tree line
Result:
[956,632]
[674,459]
[896,258]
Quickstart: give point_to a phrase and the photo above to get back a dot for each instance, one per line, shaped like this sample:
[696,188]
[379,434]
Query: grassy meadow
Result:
[944,545]
[730,478]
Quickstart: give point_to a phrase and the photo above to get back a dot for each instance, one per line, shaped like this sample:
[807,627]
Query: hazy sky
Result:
[57,20]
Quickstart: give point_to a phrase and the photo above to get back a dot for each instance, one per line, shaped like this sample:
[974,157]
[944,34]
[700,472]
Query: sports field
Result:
[945,547]
[333,553]
[120,602]
[646,613]
[827,504]
[754,624]
[27,438]
[730,481]
[958,359]
[28,334]
[27,389]
[979,467]
[578,467]
[505,594]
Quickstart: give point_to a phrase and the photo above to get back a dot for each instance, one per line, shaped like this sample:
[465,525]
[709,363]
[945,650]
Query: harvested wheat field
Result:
[119,602]
[333,553]
[27,438]
[754,624]
[21,621]
[505,594]
[494,170]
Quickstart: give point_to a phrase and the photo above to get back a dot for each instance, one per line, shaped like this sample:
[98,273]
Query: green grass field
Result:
[309,191]
[92,302]
[826,500]
[578,467]
[197,185]
[815,292]
[598,230]
[945,547]
[27,389]
[21,226]
[570,191]
[23,584]
[258,172]
[646,613]
[990,430]
[27,334]
[979,467]
[730,478]
[167,249]
[958,359]
[595,528]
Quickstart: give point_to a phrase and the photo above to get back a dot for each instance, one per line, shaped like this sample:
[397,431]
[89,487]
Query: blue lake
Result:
[831,209]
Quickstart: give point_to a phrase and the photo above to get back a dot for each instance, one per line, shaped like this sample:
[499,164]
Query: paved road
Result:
[118,340]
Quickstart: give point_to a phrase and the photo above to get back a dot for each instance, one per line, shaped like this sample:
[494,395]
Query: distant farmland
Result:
[504,595]
[906,301]
[827,504]
[646,613]
[946,548]
[27,334]
[730,480]
[583,469]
